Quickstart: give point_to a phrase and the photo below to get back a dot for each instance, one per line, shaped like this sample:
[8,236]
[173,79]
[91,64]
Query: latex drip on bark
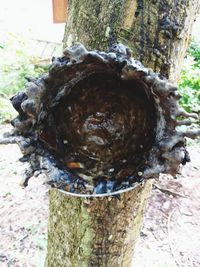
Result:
[99,122]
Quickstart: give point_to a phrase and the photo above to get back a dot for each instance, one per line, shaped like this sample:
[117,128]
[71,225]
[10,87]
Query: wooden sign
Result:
[59,10]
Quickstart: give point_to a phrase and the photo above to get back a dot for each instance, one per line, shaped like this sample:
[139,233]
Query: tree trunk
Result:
[158,32]
[97,231]
[102,231]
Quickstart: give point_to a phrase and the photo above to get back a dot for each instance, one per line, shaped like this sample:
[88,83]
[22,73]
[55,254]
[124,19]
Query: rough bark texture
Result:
[94,231]
[103,231]
[158,32]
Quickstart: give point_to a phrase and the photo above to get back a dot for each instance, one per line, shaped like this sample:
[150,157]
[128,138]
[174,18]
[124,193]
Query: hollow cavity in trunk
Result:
[102,128]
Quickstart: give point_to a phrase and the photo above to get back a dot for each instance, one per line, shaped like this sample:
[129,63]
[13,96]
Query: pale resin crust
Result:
[43,94]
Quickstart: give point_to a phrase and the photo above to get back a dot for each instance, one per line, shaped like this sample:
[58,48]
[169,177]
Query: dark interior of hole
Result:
[105,123]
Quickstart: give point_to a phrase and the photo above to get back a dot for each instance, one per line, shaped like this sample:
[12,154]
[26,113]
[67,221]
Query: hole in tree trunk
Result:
[105,124]
[100,122]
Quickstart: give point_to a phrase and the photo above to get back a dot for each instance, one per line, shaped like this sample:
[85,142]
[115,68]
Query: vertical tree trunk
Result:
[158,32]
[94,231]
[102,231]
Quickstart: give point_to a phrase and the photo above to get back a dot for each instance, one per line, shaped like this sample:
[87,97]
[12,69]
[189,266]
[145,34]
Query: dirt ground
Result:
[170,236]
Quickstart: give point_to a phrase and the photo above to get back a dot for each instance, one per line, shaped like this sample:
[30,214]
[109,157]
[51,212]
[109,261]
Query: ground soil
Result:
[170,236]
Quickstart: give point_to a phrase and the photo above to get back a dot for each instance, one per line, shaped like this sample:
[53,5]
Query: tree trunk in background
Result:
[103,231]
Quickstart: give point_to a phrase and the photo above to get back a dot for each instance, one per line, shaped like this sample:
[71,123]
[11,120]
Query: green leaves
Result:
[194,51]
[189,85]
[15,64]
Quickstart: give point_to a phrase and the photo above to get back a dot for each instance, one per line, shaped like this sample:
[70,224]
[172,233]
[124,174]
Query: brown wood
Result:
[59,10]
[100,231]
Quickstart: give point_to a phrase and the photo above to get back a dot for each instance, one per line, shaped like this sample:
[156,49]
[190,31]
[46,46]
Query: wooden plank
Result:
[59,10]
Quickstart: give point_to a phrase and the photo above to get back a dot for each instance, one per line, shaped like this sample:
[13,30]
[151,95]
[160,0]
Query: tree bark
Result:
[103,231]
[158,32]
[94,231]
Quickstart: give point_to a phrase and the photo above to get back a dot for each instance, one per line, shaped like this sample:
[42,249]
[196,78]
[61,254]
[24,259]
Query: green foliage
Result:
[16,63]
[194,51]
[189,85]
